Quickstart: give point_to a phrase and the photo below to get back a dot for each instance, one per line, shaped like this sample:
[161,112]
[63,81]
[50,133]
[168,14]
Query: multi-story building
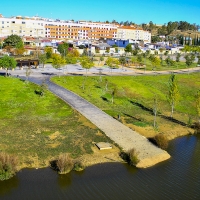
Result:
[133,33]
[60,29]
[22,26]
[79,30]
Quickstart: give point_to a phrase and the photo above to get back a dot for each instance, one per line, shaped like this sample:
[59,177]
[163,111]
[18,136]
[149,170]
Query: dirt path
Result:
[148,154]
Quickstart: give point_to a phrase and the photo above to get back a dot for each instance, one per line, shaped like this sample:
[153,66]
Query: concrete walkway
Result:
[126,138]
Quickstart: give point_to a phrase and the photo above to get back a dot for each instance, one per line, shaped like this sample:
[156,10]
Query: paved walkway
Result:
[126,138]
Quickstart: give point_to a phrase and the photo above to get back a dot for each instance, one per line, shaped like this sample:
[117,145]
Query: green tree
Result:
[139,58]
[155,39]
[128,48]
[63,49]
[13,41]
[48,51]
[86,63]
[178,55]
[43,59]
[101,59]
[28,73]
[73,53]
[112,63]
[169,61]
[156,62]
[189,59]
[113,94]
[7,62]
[57,61]
[173,95]
[166,53]
[122,60]
[198,61]
[85,53]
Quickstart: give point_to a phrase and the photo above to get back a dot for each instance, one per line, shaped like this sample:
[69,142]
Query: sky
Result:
[157,11]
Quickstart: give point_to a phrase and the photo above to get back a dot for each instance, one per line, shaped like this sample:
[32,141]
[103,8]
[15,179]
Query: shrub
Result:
[64,163]
[133,156]
[78,166]
[161,141]
[8,166]
[197,127]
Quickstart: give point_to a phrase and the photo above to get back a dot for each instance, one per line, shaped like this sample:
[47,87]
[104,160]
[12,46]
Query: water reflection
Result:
[7,186]
[64,181]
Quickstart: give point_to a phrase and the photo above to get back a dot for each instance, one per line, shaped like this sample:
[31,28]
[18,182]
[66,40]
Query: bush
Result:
[8,166]
[78,166]
[197,127]
[64,163]
[133,156]
[161,141]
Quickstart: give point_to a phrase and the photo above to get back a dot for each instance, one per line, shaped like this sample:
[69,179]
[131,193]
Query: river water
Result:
[177,178]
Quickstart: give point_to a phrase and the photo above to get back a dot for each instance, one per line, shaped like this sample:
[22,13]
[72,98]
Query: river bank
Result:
[113,181]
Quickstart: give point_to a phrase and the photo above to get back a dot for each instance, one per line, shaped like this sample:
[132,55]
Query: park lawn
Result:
[39,128]
[134,98]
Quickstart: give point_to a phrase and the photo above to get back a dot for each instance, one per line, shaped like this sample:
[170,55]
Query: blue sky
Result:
[139,11]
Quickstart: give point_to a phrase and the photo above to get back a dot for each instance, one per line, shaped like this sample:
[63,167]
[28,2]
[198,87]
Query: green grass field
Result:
[38,128]
[134,98]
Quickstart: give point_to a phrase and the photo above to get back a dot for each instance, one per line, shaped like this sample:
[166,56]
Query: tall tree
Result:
[173,95]
[113,94]
[86,63]
[57,61]
[189,59]
[43,59]
[128,48]
[7,62]
[48,51]
[178,55]
[112,63]
[63,49]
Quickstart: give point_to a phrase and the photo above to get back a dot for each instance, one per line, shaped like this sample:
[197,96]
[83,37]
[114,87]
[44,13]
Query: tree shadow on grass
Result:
[150,110]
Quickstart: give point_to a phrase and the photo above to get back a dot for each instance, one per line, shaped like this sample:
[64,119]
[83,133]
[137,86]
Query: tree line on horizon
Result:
[165,29]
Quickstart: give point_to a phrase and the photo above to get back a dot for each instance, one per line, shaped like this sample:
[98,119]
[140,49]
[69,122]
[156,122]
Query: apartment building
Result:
[133,33]
[79,30]
[61,29]
[22,26]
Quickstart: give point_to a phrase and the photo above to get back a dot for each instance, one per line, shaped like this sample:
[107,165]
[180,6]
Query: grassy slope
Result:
[135,96]
[38,129]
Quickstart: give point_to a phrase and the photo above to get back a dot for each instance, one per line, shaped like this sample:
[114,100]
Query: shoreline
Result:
[101,156]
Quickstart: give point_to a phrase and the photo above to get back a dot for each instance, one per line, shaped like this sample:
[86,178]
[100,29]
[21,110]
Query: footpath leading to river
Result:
[148,154]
